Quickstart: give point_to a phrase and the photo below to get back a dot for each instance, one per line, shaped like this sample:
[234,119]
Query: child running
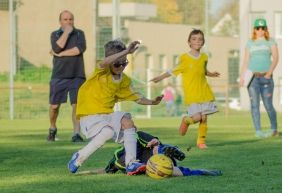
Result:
[198,95]
[96,100]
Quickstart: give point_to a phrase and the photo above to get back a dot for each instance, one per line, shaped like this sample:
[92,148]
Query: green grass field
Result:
[32,165]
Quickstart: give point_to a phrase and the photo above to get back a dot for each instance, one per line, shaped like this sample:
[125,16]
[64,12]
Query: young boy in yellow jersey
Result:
[96,99]
[197,92]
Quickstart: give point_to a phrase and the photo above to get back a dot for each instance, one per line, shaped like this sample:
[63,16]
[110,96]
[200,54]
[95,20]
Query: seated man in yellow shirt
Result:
[96,99]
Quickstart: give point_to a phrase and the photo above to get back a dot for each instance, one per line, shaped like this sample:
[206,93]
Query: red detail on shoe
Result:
[202,146]
[183,128]
[140,170]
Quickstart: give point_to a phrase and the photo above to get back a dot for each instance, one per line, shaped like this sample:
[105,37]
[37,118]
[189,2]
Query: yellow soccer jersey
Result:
[194,82]
[100,92]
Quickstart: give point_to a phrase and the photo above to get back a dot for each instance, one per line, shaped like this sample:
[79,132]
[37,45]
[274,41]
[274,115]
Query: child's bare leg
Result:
[186,121]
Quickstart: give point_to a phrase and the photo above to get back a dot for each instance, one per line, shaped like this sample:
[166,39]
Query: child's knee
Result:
[197,117]
[204,118]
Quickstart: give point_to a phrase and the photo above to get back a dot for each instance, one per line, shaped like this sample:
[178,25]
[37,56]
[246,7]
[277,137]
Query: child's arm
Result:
[146,139]
[145,101]
[160,77]
[112,58]
[212,74]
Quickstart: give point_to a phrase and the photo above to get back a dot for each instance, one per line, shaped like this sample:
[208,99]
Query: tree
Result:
[168,11]
[230,28]
[193,11]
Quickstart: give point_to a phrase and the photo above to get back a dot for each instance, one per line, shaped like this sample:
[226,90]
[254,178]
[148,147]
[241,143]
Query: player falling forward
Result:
[96,99]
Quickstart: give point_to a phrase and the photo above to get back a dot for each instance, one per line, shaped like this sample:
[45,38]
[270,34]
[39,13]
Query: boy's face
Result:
[119,66]
[196,41]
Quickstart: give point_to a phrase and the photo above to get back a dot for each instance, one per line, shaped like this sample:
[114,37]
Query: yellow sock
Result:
[202,133]
[188,120]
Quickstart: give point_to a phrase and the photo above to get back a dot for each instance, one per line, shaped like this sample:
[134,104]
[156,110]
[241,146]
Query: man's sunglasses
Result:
[118,64]
[258,28]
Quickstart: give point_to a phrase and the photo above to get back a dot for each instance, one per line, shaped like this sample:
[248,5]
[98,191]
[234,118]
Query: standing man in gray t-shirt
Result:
[68,45]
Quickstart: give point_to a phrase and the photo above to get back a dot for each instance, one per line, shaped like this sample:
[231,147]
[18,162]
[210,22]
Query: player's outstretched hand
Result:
[157,100]
[153,142]
[156,79]
[133,46]
[214,74]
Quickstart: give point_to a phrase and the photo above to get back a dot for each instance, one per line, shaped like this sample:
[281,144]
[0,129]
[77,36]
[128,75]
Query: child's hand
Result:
[157,100]
[153,142]
[156,79]
[133,46]
[214,74]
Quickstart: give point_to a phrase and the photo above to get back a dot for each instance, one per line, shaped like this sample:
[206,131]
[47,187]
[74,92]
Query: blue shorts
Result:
[59,89]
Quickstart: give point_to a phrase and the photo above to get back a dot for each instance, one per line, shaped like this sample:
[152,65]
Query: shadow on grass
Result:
[237,142]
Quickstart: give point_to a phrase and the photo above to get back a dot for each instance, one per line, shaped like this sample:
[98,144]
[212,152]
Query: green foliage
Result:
[231,27]
[30,74]
[34,74]
[193,11]
[4,77]
[30,164]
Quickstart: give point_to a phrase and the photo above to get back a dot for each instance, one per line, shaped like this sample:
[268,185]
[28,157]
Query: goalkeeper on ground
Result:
[148,145]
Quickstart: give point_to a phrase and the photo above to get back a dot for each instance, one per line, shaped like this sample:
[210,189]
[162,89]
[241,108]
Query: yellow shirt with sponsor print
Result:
[100,92]
[194,82]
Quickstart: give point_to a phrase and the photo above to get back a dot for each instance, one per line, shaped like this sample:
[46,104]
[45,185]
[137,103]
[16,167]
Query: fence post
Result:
[149,77]
[12,57]
[226,100]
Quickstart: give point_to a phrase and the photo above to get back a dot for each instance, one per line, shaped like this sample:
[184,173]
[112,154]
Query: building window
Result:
[162,62]
[278,25]
[175,60]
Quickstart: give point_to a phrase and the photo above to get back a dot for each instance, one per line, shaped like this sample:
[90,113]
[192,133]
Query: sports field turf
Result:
[30,164]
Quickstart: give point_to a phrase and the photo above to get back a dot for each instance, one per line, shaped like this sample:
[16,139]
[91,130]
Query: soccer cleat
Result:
[183,127]
[135,168]
[77,138]
[73,165]
[202,146]
[211,172]
[52,134]
[172,152]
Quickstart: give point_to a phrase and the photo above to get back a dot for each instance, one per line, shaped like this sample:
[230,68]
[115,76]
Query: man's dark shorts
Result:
[59,89]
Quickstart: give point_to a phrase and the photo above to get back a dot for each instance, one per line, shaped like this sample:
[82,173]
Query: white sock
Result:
[130,145]
[95,143]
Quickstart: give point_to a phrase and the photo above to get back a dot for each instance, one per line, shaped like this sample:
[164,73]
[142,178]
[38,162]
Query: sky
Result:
[215,5]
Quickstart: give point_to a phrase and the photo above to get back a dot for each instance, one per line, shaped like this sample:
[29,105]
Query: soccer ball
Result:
[159,166]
